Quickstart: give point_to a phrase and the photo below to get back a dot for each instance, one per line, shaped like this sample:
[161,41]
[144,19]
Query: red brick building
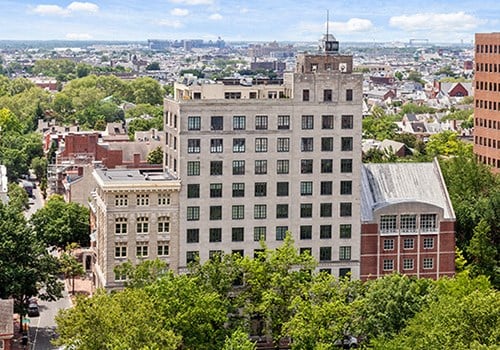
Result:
[408,223]
[487,99]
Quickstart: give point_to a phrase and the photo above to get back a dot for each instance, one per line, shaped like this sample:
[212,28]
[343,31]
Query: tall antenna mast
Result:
[327,21]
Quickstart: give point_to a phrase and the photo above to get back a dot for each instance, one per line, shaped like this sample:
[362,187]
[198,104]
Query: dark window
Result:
[326,165]
[193,168]
[193,235]
[345,187]
[345,209]
[325,231]
[306,232]
[193,191]
[261,122]
[345,230]
[327,144]
[346,144]
[192,256]
[327,122]
[193,145]
[306,210]
[217,123]
[307,122]
[345,253]
[215,212]
[346,165]
[216,167]
[282,166]
[259,233]
[215,235]
[261,144]
[215,190]
[239,122]
[307,144]
[238,234]
[327,95]
[347,122]
[325,210]
[260,167]
[193,213]
[326,187]
[238,167]
[348,95]
[194,123]
[281,232]
[238,189]
[325,253]
[238,145]
[305,95]
[305,250]
[306,166]
[283,144]
[283,122]
[259,211]
[282,189]
[216,146]
[281,211]
[306,188]
[260,189]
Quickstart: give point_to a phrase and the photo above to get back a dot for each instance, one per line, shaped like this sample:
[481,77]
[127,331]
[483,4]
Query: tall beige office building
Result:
[259,158]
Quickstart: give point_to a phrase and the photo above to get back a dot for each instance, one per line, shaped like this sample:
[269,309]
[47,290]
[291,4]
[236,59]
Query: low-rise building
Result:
[407,221]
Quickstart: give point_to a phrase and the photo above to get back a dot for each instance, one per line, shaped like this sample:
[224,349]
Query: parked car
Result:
[33,310]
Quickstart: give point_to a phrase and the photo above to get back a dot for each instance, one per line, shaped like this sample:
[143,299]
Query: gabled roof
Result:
[390,183]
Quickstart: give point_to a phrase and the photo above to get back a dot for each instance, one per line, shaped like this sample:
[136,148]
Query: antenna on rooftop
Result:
[327,21]
[329,44]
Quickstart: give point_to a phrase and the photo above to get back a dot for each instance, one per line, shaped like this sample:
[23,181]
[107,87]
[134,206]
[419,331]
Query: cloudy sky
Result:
[293,20]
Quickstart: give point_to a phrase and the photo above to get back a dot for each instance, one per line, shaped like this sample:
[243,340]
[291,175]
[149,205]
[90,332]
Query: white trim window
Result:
[428,222]
[428,263]
[388,224]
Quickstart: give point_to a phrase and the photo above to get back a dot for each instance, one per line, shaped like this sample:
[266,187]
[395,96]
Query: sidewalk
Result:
[83,286]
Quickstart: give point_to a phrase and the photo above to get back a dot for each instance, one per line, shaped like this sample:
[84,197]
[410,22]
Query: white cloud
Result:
[83,7]
[179,12]
[78,36]
[193,2]
[55,10]
[50,10]
[352,25]
[435,21]
[244,10]
[170,23]
[215,17]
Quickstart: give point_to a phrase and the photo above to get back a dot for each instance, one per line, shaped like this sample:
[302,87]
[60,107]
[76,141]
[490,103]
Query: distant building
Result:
[487,104]
[407,221]
[6,324]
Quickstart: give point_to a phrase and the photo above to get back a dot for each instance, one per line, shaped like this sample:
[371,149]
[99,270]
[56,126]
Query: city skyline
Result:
[362,21]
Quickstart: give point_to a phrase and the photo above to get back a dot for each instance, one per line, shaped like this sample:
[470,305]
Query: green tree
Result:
[26,268]
[59,223]
[18,198]
[445,143]
[71,267]
[484,253]
[239,341]
[153,66]
[462,313]
[272,281]
[155,156]
[146,90]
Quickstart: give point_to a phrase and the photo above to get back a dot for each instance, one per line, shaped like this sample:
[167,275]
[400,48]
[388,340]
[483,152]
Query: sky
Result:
[257,20]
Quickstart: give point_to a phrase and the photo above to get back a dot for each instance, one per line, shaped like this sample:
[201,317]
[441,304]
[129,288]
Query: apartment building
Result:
[407,221]
[257,159]
[135,216]
[487,101]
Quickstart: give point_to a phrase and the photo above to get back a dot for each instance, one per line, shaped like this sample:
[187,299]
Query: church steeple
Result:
[329,44]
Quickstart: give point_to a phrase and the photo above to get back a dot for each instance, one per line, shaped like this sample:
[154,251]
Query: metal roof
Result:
[391,183]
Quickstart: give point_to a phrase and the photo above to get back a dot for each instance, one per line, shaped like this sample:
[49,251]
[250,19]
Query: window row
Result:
[488,105]
[408,264]
[408,223]
[487,123]
[260,211]
[327,93]
[141,200]
[262,144]
[409,243]
[260,233]
[324,253]
[489,161]
[488,67]
[260,189]
[261,122]
[486,141]
[141,249]
[142,225]
[487,86]
[487,48]
[260,167]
